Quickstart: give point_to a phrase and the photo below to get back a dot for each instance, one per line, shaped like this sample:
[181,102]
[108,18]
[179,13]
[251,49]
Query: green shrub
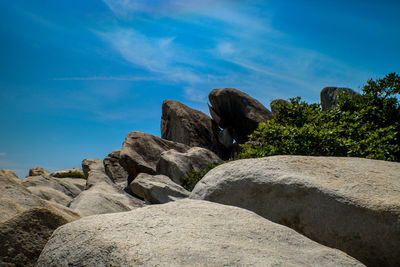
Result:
[366,126]
[70,175]
[191,178]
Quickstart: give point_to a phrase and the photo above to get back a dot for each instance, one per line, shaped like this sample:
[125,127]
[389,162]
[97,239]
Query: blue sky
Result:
[77,76]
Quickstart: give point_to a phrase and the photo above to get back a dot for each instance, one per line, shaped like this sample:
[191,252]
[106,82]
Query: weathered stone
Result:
[95,172]
[191,127]
[5,172]
[157,189]
[36,171]
[276,104]
[237,111]
[15,198]
[329,96]
[141,152]
[175,164]
[185,233]
[23,236]
[114,170]
[103,198]
[351,204]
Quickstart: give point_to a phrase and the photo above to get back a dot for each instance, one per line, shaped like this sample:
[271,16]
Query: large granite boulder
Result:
[176,164]
[237,111]
[351,204]
[102,195]
[141,152]
[59,190]
[23,236]
[185,233]
[191,127]
[157,189]
[114,170]
[36,171]
[15,198]
[329,96]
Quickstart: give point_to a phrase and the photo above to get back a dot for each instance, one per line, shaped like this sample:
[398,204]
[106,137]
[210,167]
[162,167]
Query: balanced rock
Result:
[176,164]
[114,170]
[23,236]
[184,233]
[15,198]
[351,204]
[36,171]
[191,127]
[329,96]
[141,152]
[237,111]
[157,189]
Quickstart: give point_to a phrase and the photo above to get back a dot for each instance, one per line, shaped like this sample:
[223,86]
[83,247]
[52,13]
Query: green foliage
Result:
[70,175]
[192,177]
[366,126]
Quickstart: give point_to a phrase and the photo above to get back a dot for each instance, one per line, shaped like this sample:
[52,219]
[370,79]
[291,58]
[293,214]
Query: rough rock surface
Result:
[175,164]
[36,171]
[15,198]
[351,204]
[23,236]
[185,233]
[329,96]
[157,189]
[237,111]
[191,127]
[141,152]
[72,170]
[102,195]
[6,172]
[114,170]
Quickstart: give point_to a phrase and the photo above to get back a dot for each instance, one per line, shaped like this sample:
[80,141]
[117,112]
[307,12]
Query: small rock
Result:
[36,171]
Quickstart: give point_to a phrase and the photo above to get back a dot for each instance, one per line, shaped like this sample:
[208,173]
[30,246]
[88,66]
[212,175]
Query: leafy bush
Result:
[191,178]
[70,175]
[366,126]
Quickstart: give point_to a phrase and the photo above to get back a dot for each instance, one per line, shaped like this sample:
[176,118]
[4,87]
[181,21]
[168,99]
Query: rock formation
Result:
[329,96]
[185,233]
[114,170]
[36,171]
[351,204]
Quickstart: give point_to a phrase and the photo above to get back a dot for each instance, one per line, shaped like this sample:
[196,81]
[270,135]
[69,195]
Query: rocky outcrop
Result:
[59,190]
[191,127]
[114,170]
[102,195]
[5,172]
[15,198]
[157,189]
[175,164]
[36,171]
[237,112]
[184,233]
[141,152]
[351,204]
[23,236]
[329,96]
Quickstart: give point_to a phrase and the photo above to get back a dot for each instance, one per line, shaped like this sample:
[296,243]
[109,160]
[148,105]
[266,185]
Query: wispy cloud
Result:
[108,78]
[3,154]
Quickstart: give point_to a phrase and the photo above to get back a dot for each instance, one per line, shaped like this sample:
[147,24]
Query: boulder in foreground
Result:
[185,233]
[351,204]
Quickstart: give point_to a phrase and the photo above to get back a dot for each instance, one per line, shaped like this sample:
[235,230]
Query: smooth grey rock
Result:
[141,152]
[36,171]
[185,233]
[351,204]
[23,236]
[238,111]
[114,170]
[329,96]
[191,127]
[15,198]
[157,189]
[95,172]
[175,164]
